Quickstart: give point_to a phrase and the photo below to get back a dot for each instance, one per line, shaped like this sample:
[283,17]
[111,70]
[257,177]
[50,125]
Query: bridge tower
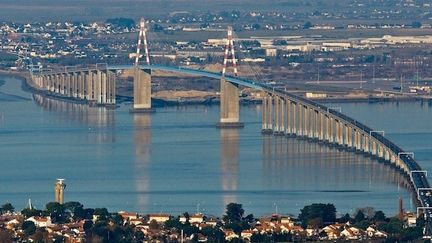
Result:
[141,76]
[229,92]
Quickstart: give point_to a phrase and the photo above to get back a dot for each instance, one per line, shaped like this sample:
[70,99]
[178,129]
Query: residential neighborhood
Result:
[71,222]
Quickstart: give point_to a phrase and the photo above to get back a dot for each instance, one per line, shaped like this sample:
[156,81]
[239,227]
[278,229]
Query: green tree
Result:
[234,213]
[379,216]
[307,25]
[416,24]
[326,212]
[213,234]
[7,208]
[28,227]
[31,212]
[57,212]
[346,218]
[359,216]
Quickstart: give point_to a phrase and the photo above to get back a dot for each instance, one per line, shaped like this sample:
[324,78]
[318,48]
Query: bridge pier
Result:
[88,76]
[142,91]
[229,105]
[81,85]
[111,90]
[288,118]
[293,120]
[322,126]
[267,115]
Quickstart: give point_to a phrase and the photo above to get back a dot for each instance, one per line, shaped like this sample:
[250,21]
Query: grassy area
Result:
[41,10]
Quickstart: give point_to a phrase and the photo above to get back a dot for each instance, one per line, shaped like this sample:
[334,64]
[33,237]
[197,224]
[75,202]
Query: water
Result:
[176,160]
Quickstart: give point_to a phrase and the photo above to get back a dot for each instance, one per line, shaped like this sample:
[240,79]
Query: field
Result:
[81,10]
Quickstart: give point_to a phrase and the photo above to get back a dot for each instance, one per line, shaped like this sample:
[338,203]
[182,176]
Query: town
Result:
[313,58]
[71,222]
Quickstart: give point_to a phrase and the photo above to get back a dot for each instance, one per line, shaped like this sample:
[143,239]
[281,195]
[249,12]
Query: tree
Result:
[359,216]
[214,234]
[57,212]
[326,212]
[7,207]
[346,218]
[28,227]
[307,25]
[31,212]
[122,22]
[416,24]
[234,213]
[379,216]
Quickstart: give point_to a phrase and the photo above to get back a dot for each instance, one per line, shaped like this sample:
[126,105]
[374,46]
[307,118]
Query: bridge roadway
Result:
[418,180]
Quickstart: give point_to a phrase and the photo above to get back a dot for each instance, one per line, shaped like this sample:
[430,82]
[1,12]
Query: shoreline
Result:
[160,102]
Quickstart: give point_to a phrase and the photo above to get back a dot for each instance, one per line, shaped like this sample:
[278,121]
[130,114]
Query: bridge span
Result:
[283,113]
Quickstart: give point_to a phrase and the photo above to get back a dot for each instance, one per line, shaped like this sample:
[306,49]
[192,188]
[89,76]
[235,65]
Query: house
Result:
[246,234]
[196,218]
[351,233]
[160,218]
[40,221]
[230,235]
[332,231]
[128,215]
[372,232]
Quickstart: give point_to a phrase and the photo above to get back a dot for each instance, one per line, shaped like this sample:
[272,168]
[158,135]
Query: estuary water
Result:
[176,160]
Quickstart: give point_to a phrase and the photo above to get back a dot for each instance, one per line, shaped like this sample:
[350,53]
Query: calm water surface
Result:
[176,160]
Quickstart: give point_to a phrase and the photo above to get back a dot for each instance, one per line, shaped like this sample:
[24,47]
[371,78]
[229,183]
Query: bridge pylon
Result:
[229,92]
[142,77]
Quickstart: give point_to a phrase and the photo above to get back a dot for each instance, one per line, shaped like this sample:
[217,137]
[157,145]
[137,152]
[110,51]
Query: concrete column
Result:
[83,85]
[264,114]
[337,132]
[305,122]
[276,114]
[387,155]
[56,83]
[66,84]
[311,123]
[73,84]
[366,148]
[317,126]
[331,130]
[270,113]
[282,116]
[49,79]
[104,87]
[112,85]
[229,104]
[322,126]
[341,133]
[347,134]
[61,83]
[380,151]
[373,148]
[89,84]
[294,123]
[97,77]
[300,119]
[79,87]
[288,117]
